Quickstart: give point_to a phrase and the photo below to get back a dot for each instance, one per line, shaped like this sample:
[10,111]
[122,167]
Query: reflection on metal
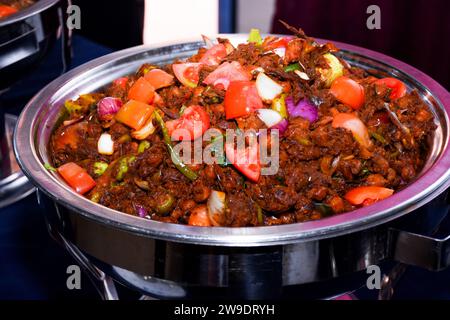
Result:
[14,186]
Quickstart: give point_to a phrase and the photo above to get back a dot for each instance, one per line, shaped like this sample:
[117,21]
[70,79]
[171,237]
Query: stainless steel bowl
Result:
[25,38]
[161,250]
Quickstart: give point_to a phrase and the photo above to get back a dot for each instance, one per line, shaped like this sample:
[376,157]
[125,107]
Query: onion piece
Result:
[108,107]
[72,121]
[302,75]
[216,207]
[257,70]
[141,211]
[208,42]
[303,108]
[335,71]
[281,126]
[267,88]
[105,144]
[145,131]
[281,52]
[269,117]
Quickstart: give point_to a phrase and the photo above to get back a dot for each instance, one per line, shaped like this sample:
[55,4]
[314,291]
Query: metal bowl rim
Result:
[32,10]
[428,186]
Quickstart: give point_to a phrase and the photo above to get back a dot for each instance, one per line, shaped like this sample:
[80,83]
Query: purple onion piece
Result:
[141,211]
[303,108]
[281,126]
[108,107]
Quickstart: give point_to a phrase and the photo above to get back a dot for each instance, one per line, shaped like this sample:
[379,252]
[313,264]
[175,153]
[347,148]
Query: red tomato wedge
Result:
[134,114]
[158,78]
[348,92]
[214,55]
[191,125]
[351,122]
[241,99]
[245,160]
[226,73]
[398,88]
[121,82]
[6,11]
[76,177]
[367,195]
[187,73]
[271,43]
[141,91]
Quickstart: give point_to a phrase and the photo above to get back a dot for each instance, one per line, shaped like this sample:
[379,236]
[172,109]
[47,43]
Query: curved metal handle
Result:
[102,282]
[419,250]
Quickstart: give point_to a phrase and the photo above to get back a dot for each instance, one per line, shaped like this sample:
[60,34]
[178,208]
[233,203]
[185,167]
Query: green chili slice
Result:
[183,168]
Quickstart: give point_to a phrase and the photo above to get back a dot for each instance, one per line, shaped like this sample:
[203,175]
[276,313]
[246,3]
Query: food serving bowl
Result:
[26,36]
[170,260]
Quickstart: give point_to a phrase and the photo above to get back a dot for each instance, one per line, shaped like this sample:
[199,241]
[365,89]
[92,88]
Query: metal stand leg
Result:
[390,280]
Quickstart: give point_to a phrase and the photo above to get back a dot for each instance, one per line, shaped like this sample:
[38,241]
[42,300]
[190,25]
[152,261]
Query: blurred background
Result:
[414,31]
[33,266]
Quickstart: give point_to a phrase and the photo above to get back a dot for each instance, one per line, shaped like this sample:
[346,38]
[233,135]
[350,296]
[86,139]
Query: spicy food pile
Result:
[9,7]
[346,139]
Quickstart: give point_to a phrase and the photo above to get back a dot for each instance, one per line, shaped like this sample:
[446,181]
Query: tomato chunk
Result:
[191,125]
[158,78]
[6,11]
[214,55]
[199,217]
[76,177]
[226,73]
[134,114]
[246,160]
[271,43]
[367,195]
[398,88]
[242,99]
[141,91]
[348,92]
[187,73]
[121,82]
[351,122]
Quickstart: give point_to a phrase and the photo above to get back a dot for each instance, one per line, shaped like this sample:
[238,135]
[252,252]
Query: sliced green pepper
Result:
[95,197]
[279,105]
[80,105]
[124,138]
[378,137]
[217,148]
[260,215]
[143,145]
[100,168]
[255,37]
[183,168]
[165,205]
[123,167]
[324,209]
[49,167]
[292,67]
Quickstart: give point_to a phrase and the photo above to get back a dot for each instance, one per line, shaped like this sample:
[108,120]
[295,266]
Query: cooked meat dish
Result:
[346,138]
[9,7]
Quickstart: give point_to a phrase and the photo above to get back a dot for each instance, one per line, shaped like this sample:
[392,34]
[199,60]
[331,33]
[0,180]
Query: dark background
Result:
[414,31]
